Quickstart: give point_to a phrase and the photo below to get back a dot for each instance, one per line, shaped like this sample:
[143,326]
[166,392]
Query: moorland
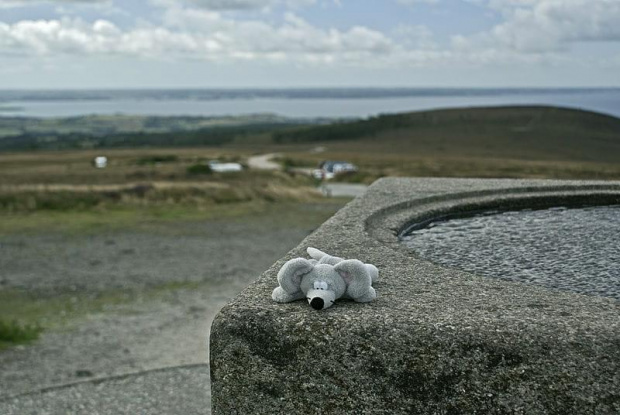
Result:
[159,164]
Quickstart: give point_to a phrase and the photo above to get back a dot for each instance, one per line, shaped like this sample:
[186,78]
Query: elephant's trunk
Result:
[321,299]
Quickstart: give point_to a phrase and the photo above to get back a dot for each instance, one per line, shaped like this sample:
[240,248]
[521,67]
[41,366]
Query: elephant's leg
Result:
[368,296]
[282,296]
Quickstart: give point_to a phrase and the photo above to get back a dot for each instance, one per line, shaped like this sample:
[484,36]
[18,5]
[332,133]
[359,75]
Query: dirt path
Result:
[193,269]
[263,162]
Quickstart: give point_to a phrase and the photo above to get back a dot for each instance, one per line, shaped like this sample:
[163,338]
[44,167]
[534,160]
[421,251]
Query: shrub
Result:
[231,196]
[288,163]
[199,169]
[58,201]
[13,332]
[169,158]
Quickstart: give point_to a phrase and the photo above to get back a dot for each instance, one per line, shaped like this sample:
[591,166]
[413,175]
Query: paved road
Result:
[342,189]
[175,391]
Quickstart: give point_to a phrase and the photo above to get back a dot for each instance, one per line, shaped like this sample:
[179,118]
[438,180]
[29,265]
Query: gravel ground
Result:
[218,258]
[179,391]
[51,264]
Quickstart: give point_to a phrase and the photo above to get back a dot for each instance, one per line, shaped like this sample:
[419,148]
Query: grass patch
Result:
[124,166]
[155,199]
[26,315]
[33,312]
[161,158]
[374,163]
[13,333]
[199,169]
[290,162]
[149,218]
[54,201]
[149,198]
[526,133]
[30,309]
[78,222]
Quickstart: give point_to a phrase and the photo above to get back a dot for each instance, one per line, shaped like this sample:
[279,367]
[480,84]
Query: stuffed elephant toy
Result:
[324,279]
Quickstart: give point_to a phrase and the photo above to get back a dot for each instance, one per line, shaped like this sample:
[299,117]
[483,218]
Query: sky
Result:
[55,44]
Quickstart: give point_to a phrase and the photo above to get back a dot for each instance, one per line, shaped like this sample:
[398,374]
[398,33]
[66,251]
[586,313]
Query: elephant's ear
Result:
[291,273]
[358,280]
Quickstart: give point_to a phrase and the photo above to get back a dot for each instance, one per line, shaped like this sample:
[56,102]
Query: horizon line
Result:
[267,88]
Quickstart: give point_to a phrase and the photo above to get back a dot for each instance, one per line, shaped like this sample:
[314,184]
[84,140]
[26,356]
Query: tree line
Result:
[213,136]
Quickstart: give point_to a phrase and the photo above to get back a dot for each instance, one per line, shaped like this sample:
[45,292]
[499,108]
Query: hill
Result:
[525,133]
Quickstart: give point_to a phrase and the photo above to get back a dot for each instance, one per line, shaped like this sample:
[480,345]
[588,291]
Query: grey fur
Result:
[325,278]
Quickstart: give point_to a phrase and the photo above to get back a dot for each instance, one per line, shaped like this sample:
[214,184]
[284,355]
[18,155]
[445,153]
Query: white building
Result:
[100,162]
[218,167]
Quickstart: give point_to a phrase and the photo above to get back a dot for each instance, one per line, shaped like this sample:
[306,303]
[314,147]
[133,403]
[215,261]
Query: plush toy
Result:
[324,278]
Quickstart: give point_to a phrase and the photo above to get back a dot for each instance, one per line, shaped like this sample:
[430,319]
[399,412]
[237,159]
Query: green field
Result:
[61,190]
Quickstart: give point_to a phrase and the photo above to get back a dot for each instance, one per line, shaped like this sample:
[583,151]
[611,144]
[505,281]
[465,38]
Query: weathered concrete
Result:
[436,340]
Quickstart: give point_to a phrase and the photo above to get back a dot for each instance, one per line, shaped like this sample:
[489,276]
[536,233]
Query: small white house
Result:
[218,167]
[100,162]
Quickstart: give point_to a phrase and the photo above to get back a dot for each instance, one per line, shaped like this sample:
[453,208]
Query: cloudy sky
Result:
[284,43]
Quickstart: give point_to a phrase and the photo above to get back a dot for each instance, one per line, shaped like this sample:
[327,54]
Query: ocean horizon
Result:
[292,102]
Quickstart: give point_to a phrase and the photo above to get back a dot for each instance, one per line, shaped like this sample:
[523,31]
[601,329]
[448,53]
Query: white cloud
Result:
[416,2]
[415,36]
[221,5]
[7,4]
[533,32]
[197,35]
[51,1]
[541,26]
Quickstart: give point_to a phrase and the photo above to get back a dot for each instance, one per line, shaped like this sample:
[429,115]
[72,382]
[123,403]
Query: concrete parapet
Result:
[436,340]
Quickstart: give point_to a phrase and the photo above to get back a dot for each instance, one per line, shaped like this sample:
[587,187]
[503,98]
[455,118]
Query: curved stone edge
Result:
[390,224]
[435,340]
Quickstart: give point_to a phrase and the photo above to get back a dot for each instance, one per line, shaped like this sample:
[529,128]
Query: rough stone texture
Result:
[436,340]
[174,391]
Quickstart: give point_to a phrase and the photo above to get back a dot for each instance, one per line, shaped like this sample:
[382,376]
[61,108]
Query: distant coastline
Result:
[214,94]
[294,102]
[10,108]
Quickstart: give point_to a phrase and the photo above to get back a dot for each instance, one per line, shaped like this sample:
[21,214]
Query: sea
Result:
[301,103]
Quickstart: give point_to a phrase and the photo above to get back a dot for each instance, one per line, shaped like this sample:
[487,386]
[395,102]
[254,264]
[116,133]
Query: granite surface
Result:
[436,340]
